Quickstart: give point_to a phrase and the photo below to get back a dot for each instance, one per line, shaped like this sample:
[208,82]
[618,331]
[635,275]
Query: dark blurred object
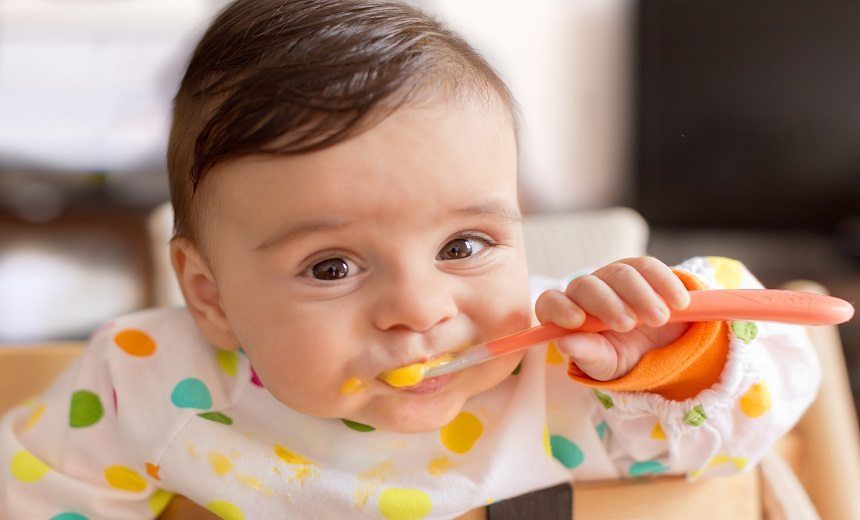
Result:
[748,113]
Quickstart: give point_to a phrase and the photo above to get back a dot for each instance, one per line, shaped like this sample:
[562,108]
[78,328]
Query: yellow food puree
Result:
[413,374]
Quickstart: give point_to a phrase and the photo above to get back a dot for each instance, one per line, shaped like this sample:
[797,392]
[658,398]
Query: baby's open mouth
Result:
[411,375]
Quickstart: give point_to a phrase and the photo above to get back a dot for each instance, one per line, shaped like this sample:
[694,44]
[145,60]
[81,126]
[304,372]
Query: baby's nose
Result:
[416,302]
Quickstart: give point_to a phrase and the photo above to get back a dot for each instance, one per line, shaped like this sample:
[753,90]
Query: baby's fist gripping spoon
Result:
[708,305]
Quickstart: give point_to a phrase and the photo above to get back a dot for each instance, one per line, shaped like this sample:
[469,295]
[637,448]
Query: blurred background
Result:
[732,126]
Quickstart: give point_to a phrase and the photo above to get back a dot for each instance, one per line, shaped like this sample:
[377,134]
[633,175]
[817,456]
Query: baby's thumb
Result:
[592,353]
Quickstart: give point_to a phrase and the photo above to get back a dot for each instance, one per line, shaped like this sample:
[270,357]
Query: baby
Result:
[344,178]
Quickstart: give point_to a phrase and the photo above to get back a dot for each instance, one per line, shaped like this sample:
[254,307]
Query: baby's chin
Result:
[419,414]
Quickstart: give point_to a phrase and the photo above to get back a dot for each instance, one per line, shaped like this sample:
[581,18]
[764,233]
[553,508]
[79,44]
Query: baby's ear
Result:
[201,293]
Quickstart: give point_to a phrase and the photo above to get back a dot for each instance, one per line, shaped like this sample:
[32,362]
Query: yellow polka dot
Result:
[27,468]
[547,445]
[657,432]
[553,356]
[291,457]
[404,504]
[35,416]
[220,463]
[756,402]
[122,477]
[225,510]
[135,342]
[727,271]
[739,462]
[439,465]
[460,434]
[228,360]
[159,501]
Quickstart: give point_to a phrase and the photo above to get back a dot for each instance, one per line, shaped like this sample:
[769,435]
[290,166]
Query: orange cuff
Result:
[679,370]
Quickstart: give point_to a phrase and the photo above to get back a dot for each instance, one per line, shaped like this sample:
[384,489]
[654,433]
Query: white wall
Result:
[568,64]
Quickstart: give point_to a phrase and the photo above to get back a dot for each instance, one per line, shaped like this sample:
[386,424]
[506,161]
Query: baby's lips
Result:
[411,375]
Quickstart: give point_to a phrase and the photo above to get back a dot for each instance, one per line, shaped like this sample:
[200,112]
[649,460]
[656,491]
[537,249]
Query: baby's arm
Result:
[62,455]
[712,400]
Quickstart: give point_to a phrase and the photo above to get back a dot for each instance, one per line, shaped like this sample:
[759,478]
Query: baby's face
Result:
[391,248]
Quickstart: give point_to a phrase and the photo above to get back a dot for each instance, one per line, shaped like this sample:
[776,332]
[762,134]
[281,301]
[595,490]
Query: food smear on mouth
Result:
[411,375]
[353,385]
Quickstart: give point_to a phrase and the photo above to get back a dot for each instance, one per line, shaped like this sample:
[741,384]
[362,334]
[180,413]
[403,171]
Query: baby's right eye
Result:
[330,269]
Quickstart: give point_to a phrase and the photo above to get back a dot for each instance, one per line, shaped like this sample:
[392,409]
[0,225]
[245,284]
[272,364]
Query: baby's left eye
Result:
[460,248]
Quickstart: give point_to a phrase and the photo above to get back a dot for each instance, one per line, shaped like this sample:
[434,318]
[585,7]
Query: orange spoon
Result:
[709,305]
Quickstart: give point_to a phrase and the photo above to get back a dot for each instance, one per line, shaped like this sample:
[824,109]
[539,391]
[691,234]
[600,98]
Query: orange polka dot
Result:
[657,432]
[135,342]
[152,470]
[757,401]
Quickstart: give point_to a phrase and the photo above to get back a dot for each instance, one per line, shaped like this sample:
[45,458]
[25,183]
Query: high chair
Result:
[813,472]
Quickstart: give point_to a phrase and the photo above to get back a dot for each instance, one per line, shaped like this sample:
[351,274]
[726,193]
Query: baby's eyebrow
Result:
[295,231]
[495,208]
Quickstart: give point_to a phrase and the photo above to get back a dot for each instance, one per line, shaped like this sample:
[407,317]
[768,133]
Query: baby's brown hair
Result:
[288,77]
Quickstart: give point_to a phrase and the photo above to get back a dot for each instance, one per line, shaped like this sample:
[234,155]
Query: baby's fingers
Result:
[554,306]
[592,353]
[661,278]
[597,298]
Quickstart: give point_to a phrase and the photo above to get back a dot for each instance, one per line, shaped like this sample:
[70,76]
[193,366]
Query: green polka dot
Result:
[696,416]
[745,331]
[404,504]
[601,430]
[604,399]
[86,409]
[191,393]
[647,467]
[217,417]
[357,426]
[68,516]
[566,451]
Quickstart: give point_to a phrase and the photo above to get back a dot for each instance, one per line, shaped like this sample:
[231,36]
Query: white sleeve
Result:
[770,377]
[62,455]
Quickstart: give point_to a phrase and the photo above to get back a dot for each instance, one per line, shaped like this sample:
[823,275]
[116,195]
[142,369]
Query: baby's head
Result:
[344,178]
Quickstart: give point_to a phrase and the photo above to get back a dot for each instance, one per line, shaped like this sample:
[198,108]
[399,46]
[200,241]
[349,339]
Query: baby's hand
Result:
[620,294]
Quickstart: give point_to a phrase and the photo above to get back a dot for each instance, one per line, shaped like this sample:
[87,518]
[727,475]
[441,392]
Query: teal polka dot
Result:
[191,393]
[647,467]
[566,451]
[86,409]
[357,426]
[601,430]
[217,417]
[68,516]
